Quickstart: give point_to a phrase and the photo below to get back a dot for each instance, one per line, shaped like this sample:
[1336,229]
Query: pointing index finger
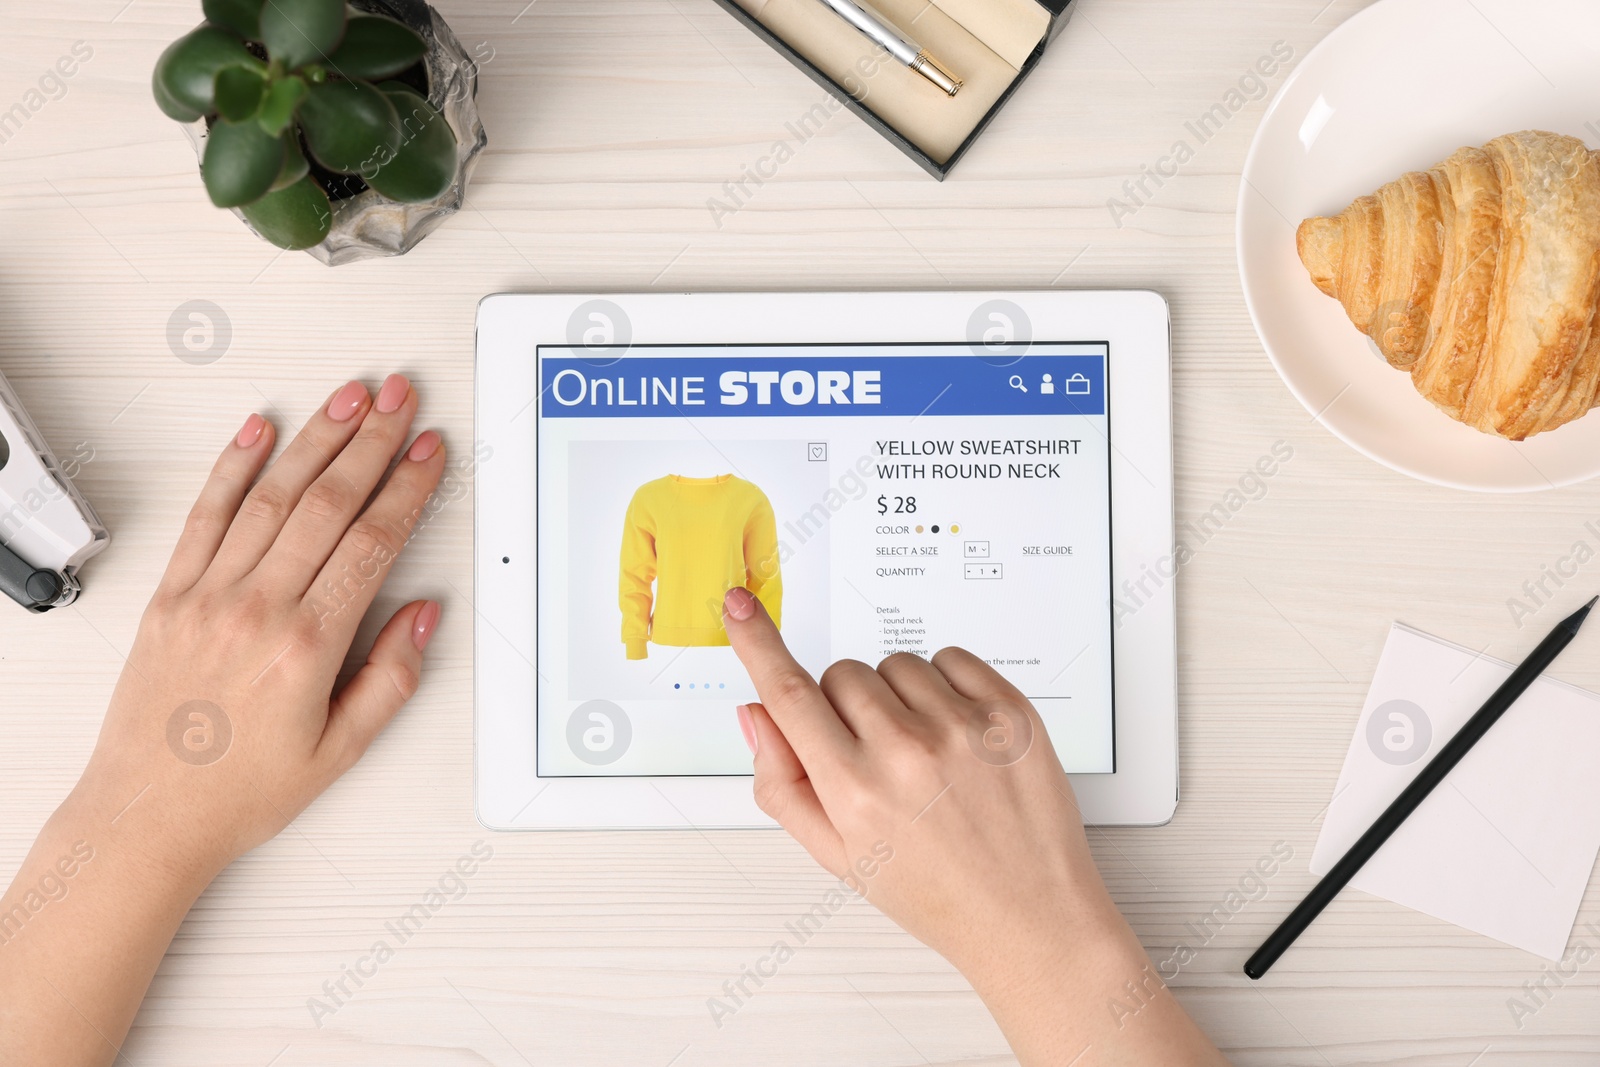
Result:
[791,696]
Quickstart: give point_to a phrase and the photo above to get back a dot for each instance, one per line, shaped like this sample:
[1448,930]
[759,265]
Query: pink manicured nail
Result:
[347,401]
[427,620]
[748,725]
[739,603]
[393,393]
[423,448]
[250,432]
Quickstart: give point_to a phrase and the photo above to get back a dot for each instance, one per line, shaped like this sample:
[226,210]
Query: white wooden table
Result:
[611,124]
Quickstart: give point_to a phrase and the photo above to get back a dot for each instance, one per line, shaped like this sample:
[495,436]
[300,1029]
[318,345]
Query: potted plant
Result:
[346,130]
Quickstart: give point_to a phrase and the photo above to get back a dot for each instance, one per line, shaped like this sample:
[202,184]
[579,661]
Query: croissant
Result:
[1481,278]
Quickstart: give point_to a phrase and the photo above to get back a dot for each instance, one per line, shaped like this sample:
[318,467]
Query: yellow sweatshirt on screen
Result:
[694,539]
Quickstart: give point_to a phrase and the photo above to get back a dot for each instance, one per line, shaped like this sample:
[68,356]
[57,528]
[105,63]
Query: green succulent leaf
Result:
[349,126]
[282,98]
[424,164]
[186,74]
[299,31]
[295,217]
[239,92]
[241,162]
[169,105]
[295,165]
[375,47]
[242,17]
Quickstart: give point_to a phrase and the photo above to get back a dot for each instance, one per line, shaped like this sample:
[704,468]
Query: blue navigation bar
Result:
[810,383]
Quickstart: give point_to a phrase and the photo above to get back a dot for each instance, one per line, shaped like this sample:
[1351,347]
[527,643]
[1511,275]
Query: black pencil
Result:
[1412,795]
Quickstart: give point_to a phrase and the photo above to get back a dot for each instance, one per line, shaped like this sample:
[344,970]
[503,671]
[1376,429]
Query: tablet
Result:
[887,472]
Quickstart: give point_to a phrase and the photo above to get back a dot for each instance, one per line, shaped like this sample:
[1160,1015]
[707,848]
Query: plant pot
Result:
[365,222]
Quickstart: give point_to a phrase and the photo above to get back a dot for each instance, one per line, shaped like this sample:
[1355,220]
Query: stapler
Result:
[47,528]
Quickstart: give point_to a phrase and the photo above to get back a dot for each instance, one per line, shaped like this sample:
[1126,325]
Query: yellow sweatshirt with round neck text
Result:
[693,539]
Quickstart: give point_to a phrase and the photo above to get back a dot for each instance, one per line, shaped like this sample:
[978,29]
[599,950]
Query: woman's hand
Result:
[226,710]
[227,720]
[933,790]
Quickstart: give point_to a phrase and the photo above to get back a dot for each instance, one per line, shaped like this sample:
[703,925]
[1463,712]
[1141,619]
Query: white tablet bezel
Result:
[510,794]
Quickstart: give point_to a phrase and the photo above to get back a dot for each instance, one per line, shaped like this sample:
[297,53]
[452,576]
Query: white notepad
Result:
[1505,845]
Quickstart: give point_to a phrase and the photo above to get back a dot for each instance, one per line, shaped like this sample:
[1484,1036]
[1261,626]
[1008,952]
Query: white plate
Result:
[1398,88]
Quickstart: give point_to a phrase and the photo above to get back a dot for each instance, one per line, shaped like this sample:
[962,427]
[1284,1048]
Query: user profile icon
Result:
[1047,385]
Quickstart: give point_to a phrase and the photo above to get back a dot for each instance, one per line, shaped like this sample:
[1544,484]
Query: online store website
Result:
[875,498]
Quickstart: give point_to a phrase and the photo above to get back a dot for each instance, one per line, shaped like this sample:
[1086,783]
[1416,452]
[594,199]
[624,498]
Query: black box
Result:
[1059,12]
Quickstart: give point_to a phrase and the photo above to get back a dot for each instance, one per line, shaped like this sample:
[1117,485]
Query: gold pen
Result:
[878,29]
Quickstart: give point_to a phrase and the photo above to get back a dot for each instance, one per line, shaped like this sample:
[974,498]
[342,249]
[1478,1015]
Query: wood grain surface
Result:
[612,123]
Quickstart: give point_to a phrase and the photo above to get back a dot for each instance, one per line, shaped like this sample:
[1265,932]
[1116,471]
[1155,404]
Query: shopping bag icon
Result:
[1077,385]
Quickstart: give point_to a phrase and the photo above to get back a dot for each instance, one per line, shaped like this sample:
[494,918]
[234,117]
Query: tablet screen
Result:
[875,498]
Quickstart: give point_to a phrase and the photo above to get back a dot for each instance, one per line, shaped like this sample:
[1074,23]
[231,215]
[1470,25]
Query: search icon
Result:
[1016,383]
